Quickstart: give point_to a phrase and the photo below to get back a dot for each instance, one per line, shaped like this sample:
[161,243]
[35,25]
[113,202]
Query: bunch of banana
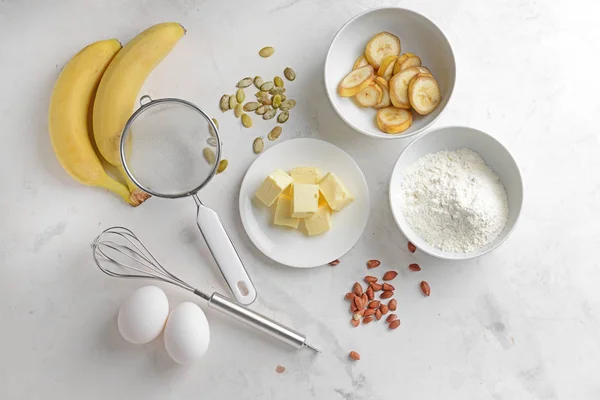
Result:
[110,78]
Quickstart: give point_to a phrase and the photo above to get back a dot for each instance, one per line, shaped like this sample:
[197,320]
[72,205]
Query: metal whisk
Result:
[118,247]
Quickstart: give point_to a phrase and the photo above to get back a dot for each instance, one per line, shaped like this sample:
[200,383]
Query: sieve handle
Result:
[225,254]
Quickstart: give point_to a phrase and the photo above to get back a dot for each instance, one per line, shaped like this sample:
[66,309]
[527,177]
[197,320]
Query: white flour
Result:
[454,201]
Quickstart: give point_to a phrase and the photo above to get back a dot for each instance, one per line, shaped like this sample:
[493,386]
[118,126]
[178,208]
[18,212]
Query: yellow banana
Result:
[68,117]
[121,83]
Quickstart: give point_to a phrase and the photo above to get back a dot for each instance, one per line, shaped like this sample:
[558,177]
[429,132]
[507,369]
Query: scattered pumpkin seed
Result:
[214,120]
[277,90]
[211,141]
[283,97]
[276,101]
[246,120]
[209,155]
[266,52]
[262,109]
[224,103]
[210,128]
[222,166]
[283,117]
[287,105]
[266,100]
[267,86]
[275,132]
[244,83]
[240,95]
[278,81]
[238,110]
[270,114]
[251,106]
[289,73]
[232,102]
[258,145]
[258,81]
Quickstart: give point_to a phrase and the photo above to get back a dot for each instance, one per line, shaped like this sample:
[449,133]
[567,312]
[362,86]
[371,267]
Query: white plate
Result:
[417,34]
[289,246]
[495,156]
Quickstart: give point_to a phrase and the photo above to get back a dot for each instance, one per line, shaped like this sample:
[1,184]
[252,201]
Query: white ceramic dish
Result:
[289,246]
[417,35]
[495,156]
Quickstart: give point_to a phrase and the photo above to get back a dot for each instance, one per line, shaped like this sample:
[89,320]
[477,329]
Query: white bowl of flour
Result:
[456,193]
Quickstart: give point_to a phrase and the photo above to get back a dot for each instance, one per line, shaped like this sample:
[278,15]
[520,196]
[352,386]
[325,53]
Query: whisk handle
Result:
[257,321]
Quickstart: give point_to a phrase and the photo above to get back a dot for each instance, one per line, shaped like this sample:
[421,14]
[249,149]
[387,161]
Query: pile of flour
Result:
[454,201]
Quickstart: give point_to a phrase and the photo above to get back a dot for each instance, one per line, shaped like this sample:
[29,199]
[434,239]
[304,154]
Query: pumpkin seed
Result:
[265,100]
[258,81]
[283,117]
[238,110]
[287,105]
[267,86]
[270,114]
[246,120]
[244,83]
[275,132]
[214,120]
[224,103]
[240,96]
[276,101]
[261,93]
[210,128]
[278,81]
[283,97]
[289,73]
[258,145]
[222,166]
[251,106]
[277,90]
[211,141]
[262,109]
[209,155]
[266,52]
[232,102]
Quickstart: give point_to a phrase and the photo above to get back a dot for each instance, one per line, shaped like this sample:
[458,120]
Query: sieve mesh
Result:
[164,143]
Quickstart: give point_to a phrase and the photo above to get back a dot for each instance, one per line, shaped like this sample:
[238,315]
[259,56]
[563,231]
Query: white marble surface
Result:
[520,323]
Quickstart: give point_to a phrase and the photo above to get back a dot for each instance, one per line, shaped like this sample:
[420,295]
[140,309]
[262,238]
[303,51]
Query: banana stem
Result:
[136,195]
[108,183]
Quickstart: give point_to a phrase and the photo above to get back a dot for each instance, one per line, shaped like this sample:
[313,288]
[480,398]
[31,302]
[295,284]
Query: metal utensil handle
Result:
[256,320]
[225,254]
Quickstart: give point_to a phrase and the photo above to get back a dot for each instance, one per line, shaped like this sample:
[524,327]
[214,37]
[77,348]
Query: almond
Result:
[378,314]
[334,263]
[387,294]
[387,286]
[370,293]
[357,289]
[425,288]
[366,320]
[393,304]
[373,264]
[365,299]
[369,311]
[349,296]
[391,317]
[370,279]
[388,276]
[394,324]
[376,286]
[355,322]
[374,304]
[414,267]
[384,309]
[411,247]
[354,356]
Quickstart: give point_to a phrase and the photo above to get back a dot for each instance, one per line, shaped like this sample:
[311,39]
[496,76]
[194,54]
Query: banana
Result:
[369,96]
[399,86]
[68,117]
[387,67]
[356,81]
[385,98]
[393,120]
[406,61]
[121,83]
[360,62]
[382,45]
[424,93]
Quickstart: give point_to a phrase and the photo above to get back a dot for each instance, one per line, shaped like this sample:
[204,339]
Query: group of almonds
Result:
[363,304]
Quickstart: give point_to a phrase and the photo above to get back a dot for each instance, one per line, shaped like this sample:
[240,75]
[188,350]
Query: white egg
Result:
[187,333]
[142,317]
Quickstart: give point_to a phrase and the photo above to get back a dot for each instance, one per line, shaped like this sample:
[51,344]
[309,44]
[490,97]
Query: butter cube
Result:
[283,213]
[305,200]
[334,192]
[319,222]
[273,186]
[308,175]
